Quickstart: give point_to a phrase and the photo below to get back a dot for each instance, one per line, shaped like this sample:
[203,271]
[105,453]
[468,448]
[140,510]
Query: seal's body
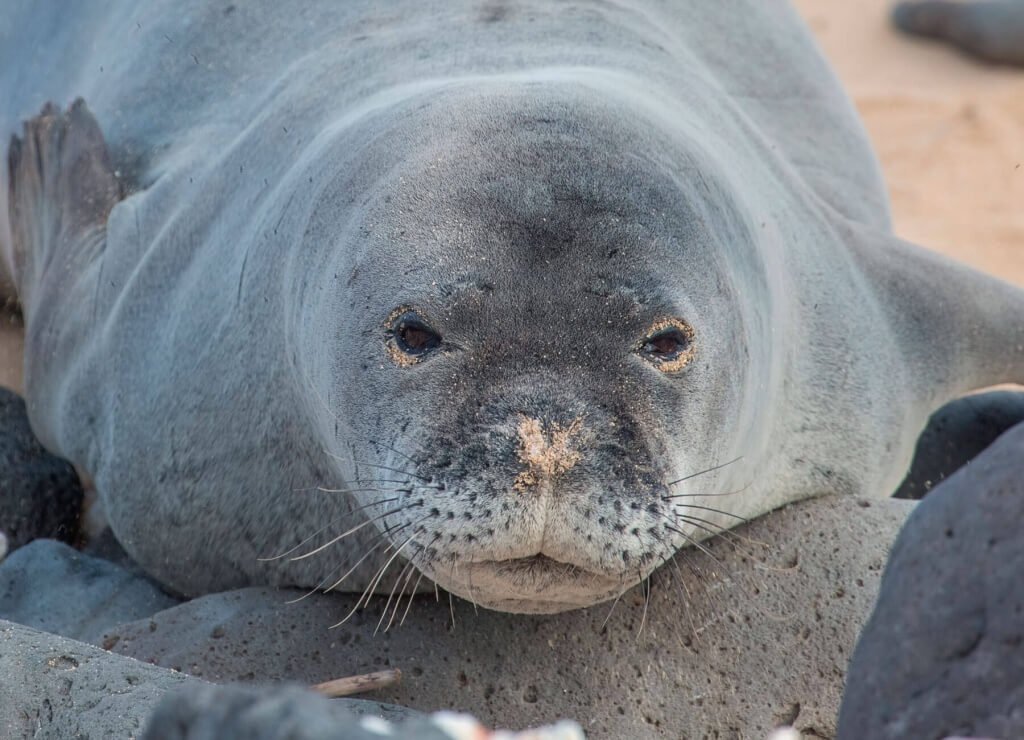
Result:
[497,274]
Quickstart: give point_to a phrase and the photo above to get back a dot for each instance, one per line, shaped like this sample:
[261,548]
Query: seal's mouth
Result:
[533,584]
[539,564]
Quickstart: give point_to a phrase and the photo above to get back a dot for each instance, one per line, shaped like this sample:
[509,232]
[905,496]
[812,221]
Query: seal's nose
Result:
[546,452]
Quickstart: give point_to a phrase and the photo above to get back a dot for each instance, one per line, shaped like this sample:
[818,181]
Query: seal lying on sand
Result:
[540,293]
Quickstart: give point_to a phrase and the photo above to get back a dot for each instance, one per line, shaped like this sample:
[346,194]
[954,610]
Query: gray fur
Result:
[542,183]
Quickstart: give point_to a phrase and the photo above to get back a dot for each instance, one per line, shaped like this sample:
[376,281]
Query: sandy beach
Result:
[949,132]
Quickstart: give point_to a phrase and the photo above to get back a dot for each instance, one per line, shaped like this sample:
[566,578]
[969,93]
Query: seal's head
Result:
[542,332]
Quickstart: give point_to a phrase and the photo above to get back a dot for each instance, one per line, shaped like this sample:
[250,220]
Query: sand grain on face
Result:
[546,456]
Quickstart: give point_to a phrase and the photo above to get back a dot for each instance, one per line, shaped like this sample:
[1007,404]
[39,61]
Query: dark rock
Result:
[989,30]
[50,586]
[40,495]
[956,434]
[204,712]
[943,653]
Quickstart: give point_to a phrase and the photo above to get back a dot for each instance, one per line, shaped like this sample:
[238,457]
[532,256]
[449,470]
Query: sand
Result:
[949,132]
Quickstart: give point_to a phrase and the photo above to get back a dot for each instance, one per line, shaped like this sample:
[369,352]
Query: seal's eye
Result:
[668,345]
[412,336]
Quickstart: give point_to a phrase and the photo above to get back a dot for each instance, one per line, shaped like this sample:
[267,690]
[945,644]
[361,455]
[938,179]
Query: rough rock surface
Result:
[956,434]
[943,653]
[53,687]
[735,643]
[52,587]
[40,495]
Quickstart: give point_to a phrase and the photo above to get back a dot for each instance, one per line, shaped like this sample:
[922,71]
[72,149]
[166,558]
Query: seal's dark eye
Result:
[668,345]
[412,336]
[415,337]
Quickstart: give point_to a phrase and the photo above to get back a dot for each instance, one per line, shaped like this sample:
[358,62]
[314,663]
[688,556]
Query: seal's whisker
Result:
[380,539]
[645,584]
[416,586]
[403,485]
[708,470]
[389,447]
[719,530]
[677,576]
[368,590]
[387,467]
[374,582]
[724,535]
[358,563]
[707,525]
[704,495]
[398,603]
[406,489]
[731,537]
[411,597]
[472,599]
[356,482]
[340,580]
[707,495]
[384,612]
[708,508]
[326,526]
[318,586]
[350,531]
[610,610]
[695,543]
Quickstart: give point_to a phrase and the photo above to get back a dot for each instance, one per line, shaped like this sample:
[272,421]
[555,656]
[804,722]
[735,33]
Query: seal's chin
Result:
[532,585]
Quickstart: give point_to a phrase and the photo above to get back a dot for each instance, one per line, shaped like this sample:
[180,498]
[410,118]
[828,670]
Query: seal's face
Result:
[559,348]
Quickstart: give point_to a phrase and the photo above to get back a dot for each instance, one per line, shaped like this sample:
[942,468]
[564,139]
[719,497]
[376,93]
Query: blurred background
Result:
[948,130]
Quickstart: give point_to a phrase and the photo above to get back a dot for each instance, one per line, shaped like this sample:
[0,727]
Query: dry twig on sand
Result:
[358,684]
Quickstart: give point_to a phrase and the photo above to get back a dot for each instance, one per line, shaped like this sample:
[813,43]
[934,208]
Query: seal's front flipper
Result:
[62,188]
[957,329]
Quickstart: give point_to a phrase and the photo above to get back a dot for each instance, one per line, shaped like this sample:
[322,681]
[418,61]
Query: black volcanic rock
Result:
[943,652]
[40,495]
[956,434]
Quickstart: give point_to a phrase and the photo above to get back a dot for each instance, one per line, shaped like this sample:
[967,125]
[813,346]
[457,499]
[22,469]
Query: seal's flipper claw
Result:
[62,188]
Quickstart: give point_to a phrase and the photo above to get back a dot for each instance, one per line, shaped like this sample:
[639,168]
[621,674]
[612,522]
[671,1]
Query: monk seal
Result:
[520,296]
[989,30]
